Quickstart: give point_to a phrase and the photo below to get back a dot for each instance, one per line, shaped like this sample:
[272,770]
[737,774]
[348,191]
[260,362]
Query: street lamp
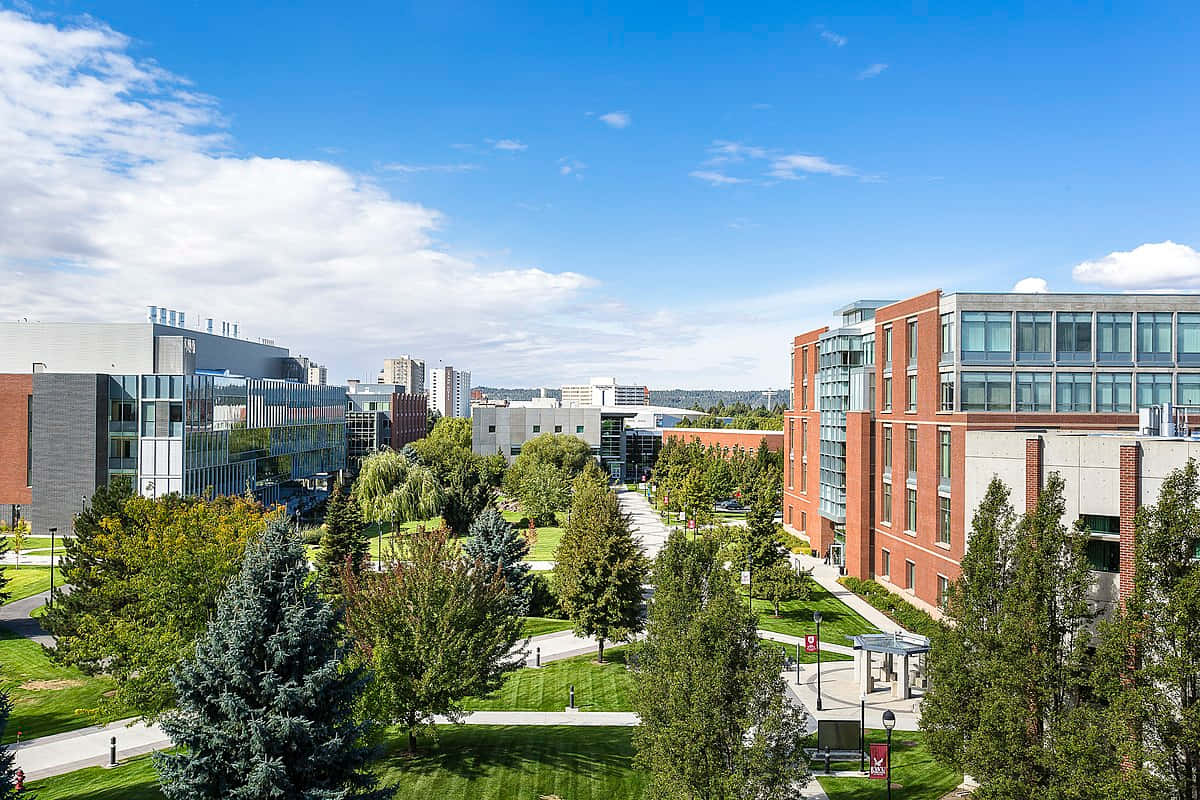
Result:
[52,532]
[817,619]
[862,732]
[889,722]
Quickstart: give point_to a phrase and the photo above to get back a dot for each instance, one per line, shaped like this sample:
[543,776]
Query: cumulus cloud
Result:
[787,166]
[616,119]
[715,178]
[119,189]
[408,169]
[512,145]
[872,71]
[1031,286]
[835,39]
[1154,265]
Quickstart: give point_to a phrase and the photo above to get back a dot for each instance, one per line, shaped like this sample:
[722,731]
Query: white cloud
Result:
[786,166]
[715,178]
[119,189]
[1154,265]
[409,169]
[511,145]
[616,119]
[872,71]
[837,40]
[571,166]
[1031,286]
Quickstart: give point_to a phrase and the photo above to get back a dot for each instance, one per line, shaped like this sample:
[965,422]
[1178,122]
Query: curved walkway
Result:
[15,617]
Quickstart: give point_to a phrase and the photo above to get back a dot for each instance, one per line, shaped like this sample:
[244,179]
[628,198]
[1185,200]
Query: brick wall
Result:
[15,391]
[1131,468]
[1033,472]
[408,418]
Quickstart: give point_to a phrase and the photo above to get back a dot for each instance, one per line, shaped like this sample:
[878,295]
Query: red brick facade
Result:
[409,413]
[802,447]
[1033,472]
[15,391]
[727,438]
[1131,498]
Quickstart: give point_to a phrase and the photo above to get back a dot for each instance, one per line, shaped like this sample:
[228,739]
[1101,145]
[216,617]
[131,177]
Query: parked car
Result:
[730,505]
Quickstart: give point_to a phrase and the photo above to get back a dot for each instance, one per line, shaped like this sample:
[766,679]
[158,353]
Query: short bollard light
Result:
[572,695]
[112,752]
[828,768]
[538,658]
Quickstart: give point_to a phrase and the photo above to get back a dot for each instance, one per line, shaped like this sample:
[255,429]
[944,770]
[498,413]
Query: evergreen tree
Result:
[499,546]
[758,542]
[599,568]
[1149,656]
[266,709]
[715,719]
[343,542]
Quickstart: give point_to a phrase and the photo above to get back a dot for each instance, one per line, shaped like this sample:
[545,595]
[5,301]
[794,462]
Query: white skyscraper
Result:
[406,371]
[450,391]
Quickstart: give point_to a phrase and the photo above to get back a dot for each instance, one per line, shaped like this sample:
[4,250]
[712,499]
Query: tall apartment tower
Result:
[604,392]
[450,392]
[889,396]
[404,371]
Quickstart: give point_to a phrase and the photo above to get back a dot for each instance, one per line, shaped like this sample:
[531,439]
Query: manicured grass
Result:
[27,581]
[805,658]
[47,698]
[547,537]
[135,780]
[538,626]
[472,762]
[36,543]
[795,617]
[476,762]
[598,687]
[915,773]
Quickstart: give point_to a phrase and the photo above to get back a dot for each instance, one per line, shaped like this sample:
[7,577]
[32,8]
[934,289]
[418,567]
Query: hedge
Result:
[897,608]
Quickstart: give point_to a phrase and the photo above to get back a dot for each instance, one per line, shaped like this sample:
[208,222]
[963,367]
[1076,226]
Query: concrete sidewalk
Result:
[645,522]
[15,617]
[827,576]
[87,747]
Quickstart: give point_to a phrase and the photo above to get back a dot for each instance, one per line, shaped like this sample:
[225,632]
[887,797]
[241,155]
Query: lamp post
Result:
[52,532]
[797,663]
[817,619]
[889,722]
[750,586]
[862,732]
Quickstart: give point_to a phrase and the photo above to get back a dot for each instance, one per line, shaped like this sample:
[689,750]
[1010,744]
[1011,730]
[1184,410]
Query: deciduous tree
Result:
[391,489]
[568,453]
[543,493]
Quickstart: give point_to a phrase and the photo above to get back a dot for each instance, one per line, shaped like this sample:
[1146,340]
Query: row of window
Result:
[910,576]
[1080,336]
[538,429]
[911,344]
[1111,392]
[912,450]
[910,515]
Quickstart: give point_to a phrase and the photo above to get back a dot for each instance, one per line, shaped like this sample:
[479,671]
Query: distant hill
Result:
[676,398]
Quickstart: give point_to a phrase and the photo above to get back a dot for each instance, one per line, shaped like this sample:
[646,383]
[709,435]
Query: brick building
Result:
[16,443]
[885,398]
[726,438]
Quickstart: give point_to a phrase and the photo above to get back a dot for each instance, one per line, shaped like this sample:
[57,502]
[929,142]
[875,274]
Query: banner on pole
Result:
[810,643]
[879,762]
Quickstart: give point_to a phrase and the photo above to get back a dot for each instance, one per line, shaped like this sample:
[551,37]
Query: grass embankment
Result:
[47,698]
[539,626]
[473,762]
[27,581]
[598,687]
[915,773]
[795,617]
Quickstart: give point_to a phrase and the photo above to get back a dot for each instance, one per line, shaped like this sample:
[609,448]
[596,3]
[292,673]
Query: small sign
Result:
[681,516]
[810,643]
[745,577]
[691,524]
[879,762]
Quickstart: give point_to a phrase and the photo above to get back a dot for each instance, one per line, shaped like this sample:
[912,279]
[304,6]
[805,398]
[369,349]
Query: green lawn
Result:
[795,617]
[27,581]
[915,774]
[598,687]
[37,543]
[547,538]
[47,698]
[805,658]
[474,762]
[538,626]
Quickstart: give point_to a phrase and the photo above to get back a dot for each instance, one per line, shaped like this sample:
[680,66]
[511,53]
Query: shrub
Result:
[312,535]
[543,602]
[897,608]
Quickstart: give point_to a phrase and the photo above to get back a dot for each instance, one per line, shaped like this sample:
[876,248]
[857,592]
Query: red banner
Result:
[692,524]
[879,762]
[810,643]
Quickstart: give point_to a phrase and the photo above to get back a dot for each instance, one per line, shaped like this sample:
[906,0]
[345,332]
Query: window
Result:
[1074,391]
[944,456]
[1033,391]
[791,474]
[491,428]
[1153,389]
[1104,555]
[1189,338]
[887,394]
[887,448]
[1189,390]
[943,590]
[947,391]
[943,531]
[1114,392]
[912,393]
[1074,336]
[558,428]
[579,429]
[803,438]
[947,337]
[804,478]
[1154,337]
[887,347]
[885,505]
[986,391]
[911,522]
[886,566]
[910,575]
[1033,335]
[1114,337]
[537,428]
[910,453]
[804,362]
[912,342]
[804,522]
[987,336]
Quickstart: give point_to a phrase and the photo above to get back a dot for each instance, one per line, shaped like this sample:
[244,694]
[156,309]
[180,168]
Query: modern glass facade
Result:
[843,385]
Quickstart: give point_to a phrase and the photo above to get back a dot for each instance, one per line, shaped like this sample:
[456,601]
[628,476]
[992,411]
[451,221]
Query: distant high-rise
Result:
[450,392]
[604,392]
[405,371]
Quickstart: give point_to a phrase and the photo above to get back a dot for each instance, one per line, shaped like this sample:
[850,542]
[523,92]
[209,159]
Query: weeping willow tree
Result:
[392,489]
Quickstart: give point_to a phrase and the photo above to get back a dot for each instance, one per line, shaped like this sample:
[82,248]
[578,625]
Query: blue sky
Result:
[665,192]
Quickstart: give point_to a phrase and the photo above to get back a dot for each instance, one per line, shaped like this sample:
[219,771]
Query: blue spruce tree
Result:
[497,544]
[266,706]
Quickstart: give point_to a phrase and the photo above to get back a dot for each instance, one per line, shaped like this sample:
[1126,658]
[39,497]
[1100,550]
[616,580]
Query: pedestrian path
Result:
[827,576]
[625,719]
[644,520]
[15,617]
[87,747]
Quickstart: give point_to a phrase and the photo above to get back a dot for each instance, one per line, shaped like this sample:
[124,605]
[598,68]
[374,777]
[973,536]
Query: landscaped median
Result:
[838,621]
[897,608]
[473,762]
[915,773]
